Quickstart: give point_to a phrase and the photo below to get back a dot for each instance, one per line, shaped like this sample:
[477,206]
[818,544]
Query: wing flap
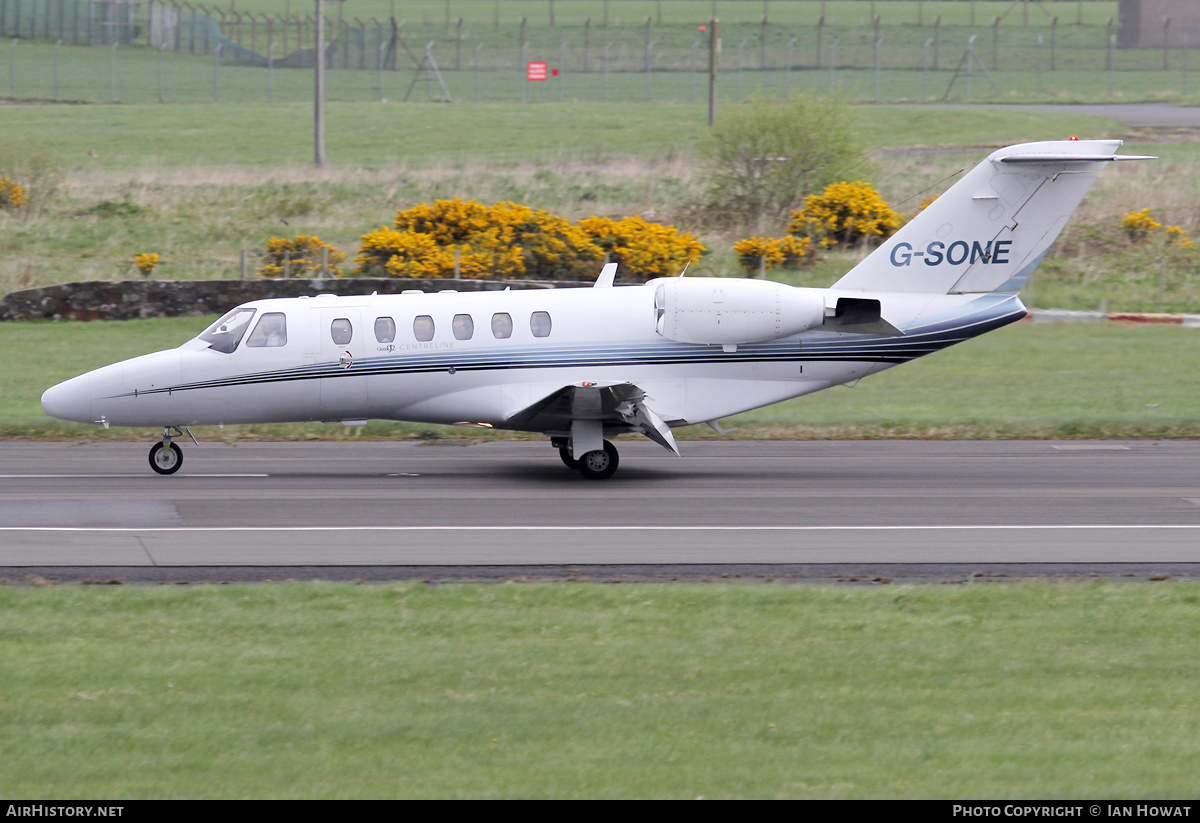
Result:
[610,405]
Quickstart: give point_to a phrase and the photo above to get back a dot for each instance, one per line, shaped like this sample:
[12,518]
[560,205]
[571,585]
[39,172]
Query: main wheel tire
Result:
[166,459]
[600,464]
[568,461]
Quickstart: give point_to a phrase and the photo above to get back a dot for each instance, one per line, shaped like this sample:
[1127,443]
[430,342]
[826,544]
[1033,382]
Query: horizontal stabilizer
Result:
[1073,158]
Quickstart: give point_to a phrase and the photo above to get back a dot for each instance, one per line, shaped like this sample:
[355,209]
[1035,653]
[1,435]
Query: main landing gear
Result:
[166,457]
[600,464]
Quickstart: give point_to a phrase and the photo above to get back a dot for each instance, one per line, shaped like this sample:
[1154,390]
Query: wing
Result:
[585,409]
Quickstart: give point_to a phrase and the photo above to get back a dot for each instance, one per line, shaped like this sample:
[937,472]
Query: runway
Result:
[380,510]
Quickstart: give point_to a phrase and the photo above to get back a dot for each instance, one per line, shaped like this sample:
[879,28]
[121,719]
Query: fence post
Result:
[112,72]
[1112,79]
[692,71]
[1039,65]
[833,66]
[243,261]
[790,44]
[649,65]
[607,46]
[925,69]
[160,72]
[57,46]
[937,37]
[587,30]
[820,31]
[217,74]
[740,45]
[521,72]
[878,45]
[562,68]
[12,69]
[379,65]
[1166,32]
[477,59]
[714,64]
[995,44]
[1053,41]
[1108,41]
[271,71]
[762,44]
[1184,56]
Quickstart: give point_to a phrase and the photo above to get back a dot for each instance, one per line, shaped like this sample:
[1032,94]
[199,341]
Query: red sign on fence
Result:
[535,70]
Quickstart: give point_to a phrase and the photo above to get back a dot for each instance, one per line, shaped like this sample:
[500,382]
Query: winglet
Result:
[607,275]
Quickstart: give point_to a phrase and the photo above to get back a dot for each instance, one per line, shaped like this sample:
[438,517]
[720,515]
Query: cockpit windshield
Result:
[226,333]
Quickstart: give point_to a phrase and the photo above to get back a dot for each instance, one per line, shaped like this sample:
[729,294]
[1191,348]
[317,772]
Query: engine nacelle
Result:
[723,311]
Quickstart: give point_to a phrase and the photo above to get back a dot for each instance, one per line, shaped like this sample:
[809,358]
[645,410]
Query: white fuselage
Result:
[596,335]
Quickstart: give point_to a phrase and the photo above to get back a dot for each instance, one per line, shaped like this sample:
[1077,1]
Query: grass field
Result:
[1025,690]
[197,188]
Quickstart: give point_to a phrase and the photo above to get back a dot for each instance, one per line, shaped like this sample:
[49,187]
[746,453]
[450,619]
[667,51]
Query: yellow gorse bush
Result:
[845,214]
[146,262]
[504,240]
[512,240]
[12,194]
[300,257]
[755,253]
[643,249]
[1139,224]
[1176,236]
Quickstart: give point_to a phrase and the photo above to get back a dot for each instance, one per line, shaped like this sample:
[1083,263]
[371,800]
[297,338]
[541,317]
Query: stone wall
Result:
[132,299]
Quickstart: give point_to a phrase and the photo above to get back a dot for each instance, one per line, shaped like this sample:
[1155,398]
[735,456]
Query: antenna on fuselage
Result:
[685,268]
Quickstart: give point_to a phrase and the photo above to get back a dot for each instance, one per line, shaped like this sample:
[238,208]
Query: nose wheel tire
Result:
[166,458]
[600,464]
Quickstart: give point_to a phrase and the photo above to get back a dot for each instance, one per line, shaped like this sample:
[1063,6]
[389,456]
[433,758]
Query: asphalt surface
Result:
[862,510]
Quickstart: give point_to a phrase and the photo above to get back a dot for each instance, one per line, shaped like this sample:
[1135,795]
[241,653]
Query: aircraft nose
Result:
[71,400]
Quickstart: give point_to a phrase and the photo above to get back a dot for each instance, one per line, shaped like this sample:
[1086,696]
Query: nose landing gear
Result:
[166,457]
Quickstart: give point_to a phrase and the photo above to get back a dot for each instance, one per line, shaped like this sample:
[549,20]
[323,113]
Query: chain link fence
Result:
[892,57]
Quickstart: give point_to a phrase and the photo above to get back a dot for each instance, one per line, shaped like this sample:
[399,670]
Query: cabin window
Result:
[270,332]
[341,331]
[385,330]
[539,323]
[423,328]
[226,333]
[464,327]
[501,325]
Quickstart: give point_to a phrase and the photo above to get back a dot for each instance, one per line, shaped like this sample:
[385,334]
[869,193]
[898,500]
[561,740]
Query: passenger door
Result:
[343,347]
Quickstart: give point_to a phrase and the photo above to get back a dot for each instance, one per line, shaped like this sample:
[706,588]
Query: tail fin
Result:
[993,227]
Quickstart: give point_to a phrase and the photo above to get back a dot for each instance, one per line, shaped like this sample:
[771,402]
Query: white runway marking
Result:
[137,474]
[299,529]
[1090,447]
